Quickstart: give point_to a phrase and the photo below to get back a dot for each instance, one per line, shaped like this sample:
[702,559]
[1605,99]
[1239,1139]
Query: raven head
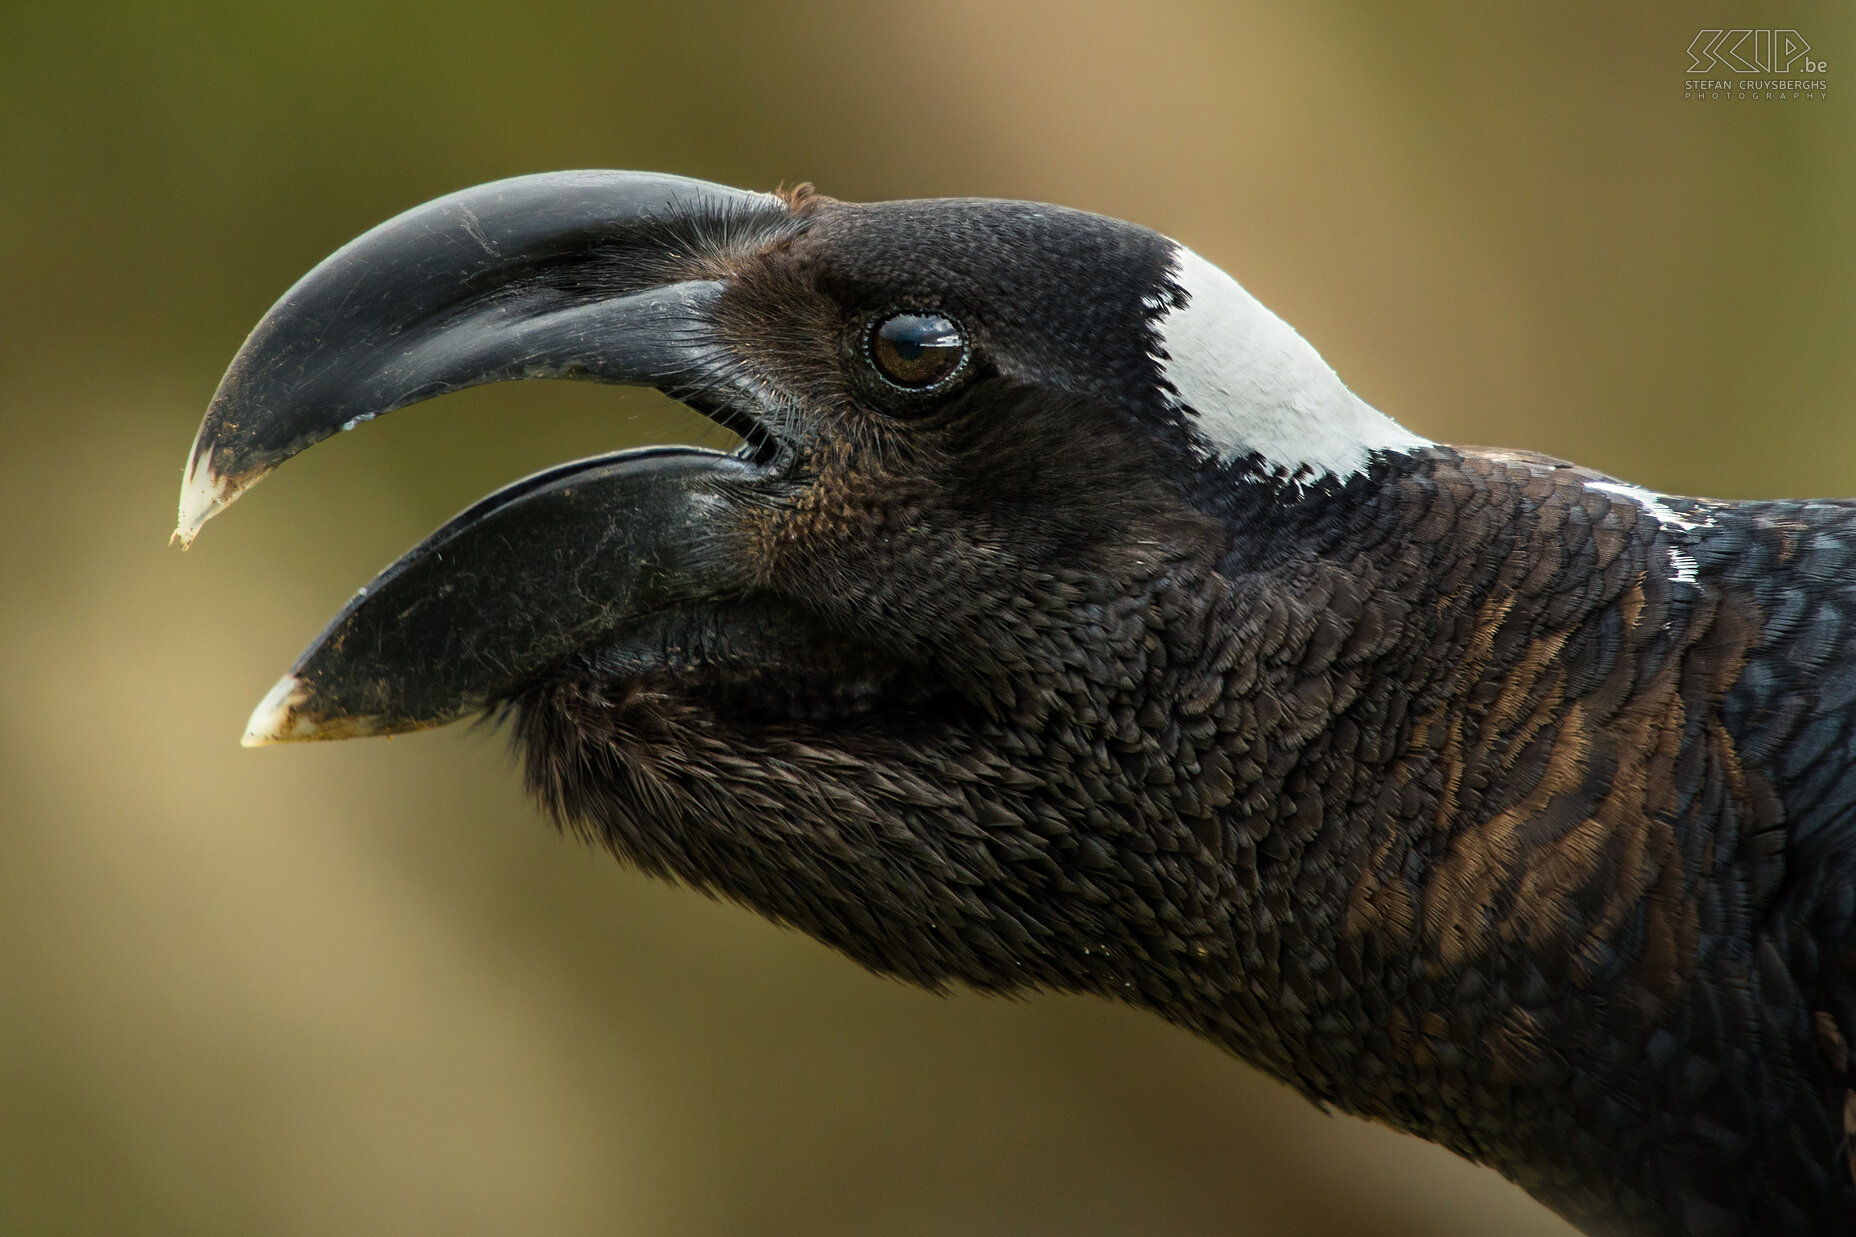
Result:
[939,665]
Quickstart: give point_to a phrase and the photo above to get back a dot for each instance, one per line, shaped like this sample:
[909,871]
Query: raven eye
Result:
[917,350]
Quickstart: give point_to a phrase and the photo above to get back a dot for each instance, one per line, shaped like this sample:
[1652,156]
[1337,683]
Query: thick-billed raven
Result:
[1063,622]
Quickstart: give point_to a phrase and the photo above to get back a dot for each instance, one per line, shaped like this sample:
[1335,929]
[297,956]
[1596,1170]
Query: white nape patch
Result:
[1683,568]
[1255,386]
[276,719]
[202,496]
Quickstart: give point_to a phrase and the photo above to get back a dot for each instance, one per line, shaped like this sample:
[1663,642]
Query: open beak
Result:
[603,276]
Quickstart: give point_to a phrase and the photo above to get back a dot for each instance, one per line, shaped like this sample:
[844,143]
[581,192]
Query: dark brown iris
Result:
[917,350]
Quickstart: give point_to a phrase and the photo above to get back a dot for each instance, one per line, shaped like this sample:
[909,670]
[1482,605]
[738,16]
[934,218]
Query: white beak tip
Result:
[202,496]
[276,719]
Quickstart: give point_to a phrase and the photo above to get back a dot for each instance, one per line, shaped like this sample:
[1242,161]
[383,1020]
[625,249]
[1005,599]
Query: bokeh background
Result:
[361,988]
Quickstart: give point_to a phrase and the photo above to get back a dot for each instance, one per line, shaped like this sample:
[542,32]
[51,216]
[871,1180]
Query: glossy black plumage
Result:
[1466,790]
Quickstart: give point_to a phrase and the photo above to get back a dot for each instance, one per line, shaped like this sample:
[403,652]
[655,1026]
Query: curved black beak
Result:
[560,561]
[595,275]
[608,276]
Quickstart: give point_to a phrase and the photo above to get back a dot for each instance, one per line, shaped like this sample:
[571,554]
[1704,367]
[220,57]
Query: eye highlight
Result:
[917,350]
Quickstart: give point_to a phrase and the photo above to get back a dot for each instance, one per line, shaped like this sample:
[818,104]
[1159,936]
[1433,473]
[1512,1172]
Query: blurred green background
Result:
[361,988]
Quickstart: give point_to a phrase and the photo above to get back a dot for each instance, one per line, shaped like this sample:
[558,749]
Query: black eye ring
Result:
[916,350]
